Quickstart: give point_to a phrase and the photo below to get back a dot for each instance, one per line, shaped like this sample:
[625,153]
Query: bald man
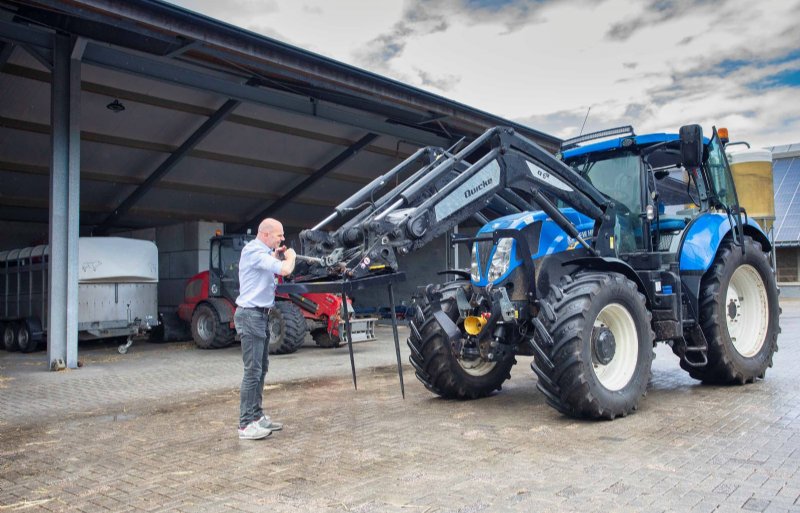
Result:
[262,258]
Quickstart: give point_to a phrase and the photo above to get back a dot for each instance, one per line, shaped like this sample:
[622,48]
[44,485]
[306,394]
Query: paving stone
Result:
[154,430]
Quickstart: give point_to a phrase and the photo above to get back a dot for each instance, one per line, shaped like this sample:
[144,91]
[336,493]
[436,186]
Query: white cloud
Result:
[655,65]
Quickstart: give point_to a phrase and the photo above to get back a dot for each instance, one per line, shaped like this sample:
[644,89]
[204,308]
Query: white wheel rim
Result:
[476,367]
[205,326]
[617,373]
[747,311]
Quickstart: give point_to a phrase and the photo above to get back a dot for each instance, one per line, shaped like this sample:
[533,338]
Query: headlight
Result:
[474,271]
[501,259]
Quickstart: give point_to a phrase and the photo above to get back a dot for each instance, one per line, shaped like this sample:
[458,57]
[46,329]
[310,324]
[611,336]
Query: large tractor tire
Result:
[435,360]
[287,328]
[739,314]
[208,331]
[600,362]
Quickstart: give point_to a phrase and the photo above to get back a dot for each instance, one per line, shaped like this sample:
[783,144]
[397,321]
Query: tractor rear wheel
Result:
[287,328]
[436,362]
[208,331]
[600,361]
[739,315]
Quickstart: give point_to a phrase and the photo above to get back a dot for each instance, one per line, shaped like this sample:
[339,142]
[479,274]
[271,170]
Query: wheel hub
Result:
[733,309]
[604,345]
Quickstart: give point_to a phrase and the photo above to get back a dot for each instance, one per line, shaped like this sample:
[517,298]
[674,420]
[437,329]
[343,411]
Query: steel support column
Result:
[65,108]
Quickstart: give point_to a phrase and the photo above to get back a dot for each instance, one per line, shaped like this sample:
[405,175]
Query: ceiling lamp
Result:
[115,106]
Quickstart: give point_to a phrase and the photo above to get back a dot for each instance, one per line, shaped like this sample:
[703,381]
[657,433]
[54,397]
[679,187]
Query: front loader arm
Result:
[448,190]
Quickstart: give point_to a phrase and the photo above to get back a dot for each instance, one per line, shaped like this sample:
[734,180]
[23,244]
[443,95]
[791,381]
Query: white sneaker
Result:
[254,431]
[267,423]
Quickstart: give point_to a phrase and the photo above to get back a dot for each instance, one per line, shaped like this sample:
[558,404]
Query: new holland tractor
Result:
[585,260]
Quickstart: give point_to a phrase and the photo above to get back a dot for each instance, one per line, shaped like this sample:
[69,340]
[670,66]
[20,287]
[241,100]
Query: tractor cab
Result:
[660,182]
[223,270]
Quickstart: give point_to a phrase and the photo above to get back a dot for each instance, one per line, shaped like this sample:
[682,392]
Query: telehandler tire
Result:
[434,360]
[600,362]
[739,314]
[208,331]
[287,328]
[324,339]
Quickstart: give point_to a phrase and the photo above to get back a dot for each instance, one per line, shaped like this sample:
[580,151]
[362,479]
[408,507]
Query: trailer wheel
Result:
[27,340]
[325,339]
[739,315]
[435,362]
[602,352]
[10,336]
[286,327]
[208,331]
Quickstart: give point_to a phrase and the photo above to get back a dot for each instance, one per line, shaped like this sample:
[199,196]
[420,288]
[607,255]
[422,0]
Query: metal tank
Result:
[752,173]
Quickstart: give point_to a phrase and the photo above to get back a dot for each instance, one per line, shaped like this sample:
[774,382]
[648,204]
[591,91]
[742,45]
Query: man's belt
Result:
[263,309]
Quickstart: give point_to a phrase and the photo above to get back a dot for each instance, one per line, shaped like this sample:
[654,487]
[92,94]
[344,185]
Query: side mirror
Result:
[692,145]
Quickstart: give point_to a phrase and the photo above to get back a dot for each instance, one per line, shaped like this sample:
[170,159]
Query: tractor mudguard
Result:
[447,325]
[225,309]
[610,264]
[703,237]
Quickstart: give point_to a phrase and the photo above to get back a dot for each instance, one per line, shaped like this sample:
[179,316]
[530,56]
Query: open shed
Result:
[120,115]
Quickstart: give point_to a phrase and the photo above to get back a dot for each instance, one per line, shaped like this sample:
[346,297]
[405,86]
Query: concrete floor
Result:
[155,430]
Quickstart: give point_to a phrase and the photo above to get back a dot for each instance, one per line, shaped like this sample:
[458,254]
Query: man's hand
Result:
[288,256]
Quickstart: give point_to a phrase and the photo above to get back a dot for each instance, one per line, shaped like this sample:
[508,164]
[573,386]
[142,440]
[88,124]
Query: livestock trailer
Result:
[117,291]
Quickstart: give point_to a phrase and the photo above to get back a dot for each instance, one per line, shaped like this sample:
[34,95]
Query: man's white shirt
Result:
[257,270]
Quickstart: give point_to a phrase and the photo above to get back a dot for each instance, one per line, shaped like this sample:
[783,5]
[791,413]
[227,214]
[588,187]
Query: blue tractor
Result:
[585,260]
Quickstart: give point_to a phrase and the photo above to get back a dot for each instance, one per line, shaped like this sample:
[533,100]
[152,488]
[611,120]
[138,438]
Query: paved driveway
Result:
[155,430]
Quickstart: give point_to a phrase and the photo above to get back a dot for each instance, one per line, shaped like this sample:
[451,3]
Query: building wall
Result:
[788,262]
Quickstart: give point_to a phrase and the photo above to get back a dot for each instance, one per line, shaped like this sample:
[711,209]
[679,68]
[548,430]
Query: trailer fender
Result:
[34,326]
[225,309]
[705,234]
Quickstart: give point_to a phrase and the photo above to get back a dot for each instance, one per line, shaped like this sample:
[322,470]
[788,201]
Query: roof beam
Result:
[321,172]
[125,180]
[174,73]
[45,57]
[125,142]
[194,139]
[6,50]
[173,105]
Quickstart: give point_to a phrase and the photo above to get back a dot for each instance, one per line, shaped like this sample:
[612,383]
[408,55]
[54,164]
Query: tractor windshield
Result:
[618,175]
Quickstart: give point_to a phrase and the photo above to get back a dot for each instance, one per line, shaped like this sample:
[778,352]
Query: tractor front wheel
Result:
[739,315]
[600,361]
[287,328]
[438,366]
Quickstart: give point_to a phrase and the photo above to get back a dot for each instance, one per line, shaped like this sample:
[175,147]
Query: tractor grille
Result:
[484,250]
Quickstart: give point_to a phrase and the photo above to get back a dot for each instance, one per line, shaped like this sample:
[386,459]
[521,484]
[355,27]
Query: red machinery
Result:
[208,306]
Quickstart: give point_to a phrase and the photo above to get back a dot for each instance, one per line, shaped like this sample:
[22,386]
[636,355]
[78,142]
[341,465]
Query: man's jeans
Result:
[251,325]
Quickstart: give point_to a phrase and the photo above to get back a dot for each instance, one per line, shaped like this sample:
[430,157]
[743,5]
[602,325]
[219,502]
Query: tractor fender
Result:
[703,237]
[225,309]
[614,265]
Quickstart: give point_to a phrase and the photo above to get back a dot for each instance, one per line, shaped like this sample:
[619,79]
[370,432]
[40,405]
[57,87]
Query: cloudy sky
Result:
[655,64]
